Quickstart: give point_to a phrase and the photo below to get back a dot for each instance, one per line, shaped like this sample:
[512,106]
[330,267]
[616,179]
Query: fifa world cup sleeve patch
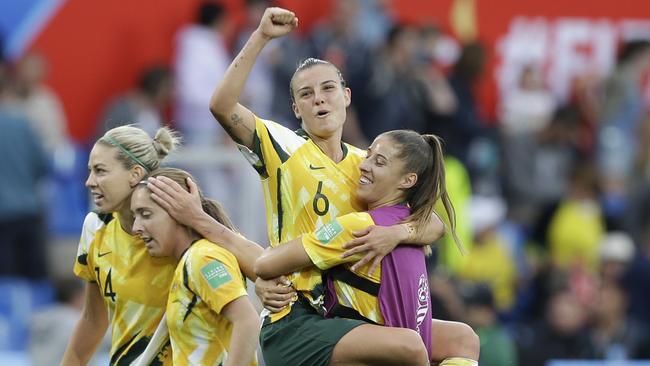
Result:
[216,274]
[329,231]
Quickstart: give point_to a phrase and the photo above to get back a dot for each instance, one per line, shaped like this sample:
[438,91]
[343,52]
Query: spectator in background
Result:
[637,279]
[616,251]
[432,53]
[497,346]
[554,155]
[401,93]
[642,163]
[339,41]
[528,107]
[526,111]
[374,21]
[573,236]
[24,166]
[394,97]
[621,117]
[571,249]
[562,335]
[41,104]
[143,106]
[489,261]
[202,58]
[465,125]
[586,97]
[613,335]
[200,62]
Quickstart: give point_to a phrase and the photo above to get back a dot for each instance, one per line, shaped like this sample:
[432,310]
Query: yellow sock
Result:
[458,361]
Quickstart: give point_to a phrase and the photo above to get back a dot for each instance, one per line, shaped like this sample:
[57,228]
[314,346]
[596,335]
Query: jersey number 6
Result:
[320,196]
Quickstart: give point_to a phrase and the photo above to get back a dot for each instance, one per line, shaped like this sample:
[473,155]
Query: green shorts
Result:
[303,337]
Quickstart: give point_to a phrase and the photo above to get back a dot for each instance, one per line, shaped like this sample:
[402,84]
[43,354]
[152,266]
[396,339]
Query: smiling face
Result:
[320,100]
[383,180]
[159,231]
[109,182]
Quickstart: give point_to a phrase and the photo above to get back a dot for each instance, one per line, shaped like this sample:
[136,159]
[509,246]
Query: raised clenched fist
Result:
[276,22]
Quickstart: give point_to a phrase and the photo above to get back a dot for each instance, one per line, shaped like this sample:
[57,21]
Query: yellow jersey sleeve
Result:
[216,277]
[82,268]
[325,245]
[273,144]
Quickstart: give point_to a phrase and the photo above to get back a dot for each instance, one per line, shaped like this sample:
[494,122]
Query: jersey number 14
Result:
[108,285]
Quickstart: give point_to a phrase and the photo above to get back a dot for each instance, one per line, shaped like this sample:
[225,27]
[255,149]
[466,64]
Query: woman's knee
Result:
[467,342]
[410,346]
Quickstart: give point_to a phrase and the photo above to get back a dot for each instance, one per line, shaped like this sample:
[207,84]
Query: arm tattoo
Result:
[236,121]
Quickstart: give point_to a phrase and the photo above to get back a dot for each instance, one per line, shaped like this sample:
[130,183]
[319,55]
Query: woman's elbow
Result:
[248,320]
[262,268]
[217,108]
[254,323]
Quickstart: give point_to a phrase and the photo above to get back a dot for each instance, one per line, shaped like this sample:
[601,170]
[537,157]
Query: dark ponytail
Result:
[423,155]
[435,143]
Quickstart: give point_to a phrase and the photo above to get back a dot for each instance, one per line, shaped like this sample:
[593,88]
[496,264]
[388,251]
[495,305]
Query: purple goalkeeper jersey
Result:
[404,299]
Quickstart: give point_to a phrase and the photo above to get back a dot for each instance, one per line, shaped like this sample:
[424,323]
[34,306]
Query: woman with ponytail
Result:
[210,319]
[126,288]
[402,178]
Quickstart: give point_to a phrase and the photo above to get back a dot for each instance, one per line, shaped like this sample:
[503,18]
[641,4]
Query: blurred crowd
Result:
[551,197]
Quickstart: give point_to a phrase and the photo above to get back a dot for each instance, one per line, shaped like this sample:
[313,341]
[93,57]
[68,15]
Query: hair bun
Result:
[165,141]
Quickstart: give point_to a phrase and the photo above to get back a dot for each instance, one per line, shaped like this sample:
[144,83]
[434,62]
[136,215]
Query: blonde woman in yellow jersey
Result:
[126,288]
[210,319]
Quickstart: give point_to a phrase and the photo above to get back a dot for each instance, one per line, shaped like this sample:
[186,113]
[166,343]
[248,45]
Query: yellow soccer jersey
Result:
[206,279]
[325,246]
[134,284]
[303,189]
